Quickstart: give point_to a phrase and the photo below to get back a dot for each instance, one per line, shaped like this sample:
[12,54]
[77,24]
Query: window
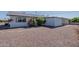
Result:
[24,20]
[21,19]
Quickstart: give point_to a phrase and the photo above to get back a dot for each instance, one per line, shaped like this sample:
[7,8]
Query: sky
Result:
[3,14]
[67,14]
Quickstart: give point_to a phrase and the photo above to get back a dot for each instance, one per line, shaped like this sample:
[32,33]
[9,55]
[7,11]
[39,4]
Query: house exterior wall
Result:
[14,22]
[18,24]
[58,22]
[65,21]
[50,21]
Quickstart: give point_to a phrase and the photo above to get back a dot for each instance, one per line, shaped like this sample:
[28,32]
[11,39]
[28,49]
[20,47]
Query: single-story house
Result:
[20,19]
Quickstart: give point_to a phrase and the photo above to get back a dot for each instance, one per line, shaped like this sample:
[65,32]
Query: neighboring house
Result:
[20,19]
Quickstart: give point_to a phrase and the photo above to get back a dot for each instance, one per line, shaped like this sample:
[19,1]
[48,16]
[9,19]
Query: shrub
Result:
[75,19]
[32,22]
[40,21]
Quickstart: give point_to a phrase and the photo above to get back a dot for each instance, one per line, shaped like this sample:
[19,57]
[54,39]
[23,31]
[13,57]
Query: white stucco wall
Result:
[18,24]
[58,22]
[50,21]
[15,23]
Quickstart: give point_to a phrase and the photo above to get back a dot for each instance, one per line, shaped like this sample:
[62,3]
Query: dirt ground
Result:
[65,36]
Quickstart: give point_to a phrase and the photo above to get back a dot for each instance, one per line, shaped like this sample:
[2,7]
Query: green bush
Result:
[32,22]
[75,19]
[40,21]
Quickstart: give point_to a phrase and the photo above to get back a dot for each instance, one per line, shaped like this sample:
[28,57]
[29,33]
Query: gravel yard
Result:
[65,36]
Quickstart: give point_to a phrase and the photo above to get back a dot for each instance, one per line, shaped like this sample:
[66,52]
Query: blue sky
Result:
[3,14]
[67,14]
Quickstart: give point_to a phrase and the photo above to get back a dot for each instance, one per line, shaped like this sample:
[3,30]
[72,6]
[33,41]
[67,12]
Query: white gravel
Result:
[65,36]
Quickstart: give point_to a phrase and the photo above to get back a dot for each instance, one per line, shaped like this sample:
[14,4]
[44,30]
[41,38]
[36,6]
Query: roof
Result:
[15,13]
[26,14]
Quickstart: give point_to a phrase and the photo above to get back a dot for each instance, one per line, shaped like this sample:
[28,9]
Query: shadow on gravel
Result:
[3,27]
